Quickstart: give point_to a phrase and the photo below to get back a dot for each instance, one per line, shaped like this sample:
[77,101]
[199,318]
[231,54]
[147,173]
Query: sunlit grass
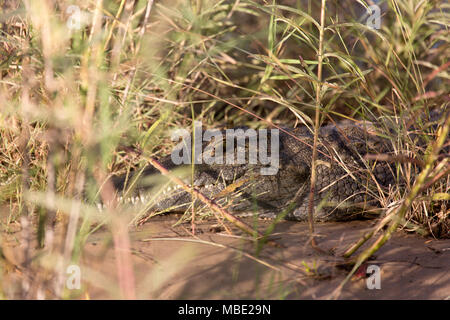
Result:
[82,104]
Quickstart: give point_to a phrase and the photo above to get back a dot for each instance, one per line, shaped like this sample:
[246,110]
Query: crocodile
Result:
[348,186]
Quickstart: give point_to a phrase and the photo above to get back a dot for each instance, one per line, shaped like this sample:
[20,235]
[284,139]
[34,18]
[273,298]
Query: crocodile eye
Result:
[302,173]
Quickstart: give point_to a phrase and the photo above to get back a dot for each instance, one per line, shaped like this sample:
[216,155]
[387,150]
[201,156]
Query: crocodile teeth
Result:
[99,207]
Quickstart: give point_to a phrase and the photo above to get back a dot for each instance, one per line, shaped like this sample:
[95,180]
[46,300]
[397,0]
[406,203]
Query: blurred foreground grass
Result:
[88,86]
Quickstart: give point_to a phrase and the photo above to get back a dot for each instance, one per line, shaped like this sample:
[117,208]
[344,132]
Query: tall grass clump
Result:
[88,87]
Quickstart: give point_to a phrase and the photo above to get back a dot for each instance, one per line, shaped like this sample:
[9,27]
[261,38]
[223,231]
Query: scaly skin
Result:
[347,185]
